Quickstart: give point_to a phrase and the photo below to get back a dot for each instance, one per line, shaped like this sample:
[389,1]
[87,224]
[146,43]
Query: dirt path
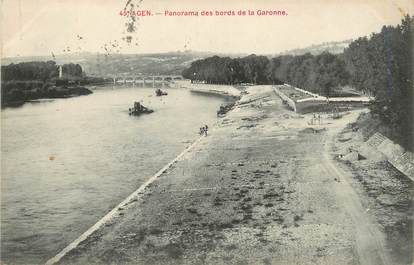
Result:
[260,189]
[387,193]
[370,241]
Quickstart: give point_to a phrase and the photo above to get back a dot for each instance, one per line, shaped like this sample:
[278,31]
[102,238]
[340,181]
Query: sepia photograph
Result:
[207,132]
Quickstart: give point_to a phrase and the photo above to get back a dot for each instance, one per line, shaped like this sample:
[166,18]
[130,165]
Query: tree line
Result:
[226,70]
[380,65]
[40,71]
[34,80]
[320,73]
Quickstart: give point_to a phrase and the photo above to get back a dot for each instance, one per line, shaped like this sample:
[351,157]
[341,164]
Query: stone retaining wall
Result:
[316,103]
[395,154]
[285,98]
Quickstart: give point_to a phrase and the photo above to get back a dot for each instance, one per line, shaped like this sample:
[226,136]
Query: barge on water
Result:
[139,109]
[160,93]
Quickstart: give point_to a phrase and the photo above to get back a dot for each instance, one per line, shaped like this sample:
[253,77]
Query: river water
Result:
[67,162]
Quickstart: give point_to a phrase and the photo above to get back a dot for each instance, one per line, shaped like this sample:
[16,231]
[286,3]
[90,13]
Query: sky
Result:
[43,27]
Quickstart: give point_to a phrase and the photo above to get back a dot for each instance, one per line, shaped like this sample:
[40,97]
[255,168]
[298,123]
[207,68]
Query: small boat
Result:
[160,93]
[139,109]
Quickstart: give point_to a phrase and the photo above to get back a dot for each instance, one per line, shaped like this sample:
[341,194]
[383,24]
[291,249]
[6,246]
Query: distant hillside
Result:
[334,47]
[123,64]
[98,64]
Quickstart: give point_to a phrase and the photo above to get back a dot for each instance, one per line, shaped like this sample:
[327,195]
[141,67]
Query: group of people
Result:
[316,119]
[204,130]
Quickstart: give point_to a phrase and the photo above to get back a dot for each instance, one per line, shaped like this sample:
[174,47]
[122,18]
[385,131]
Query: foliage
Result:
[225,70]
[382,66]
[319,73]
[29,71]
[71,71]
[42,71]
[34,80]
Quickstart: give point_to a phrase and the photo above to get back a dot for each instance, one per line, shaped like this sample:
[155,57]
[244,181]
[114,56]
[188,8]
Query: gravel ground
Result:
[262,188]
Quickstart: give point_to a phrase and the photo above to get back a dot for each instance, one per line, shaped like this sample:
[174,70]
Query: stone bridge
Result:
[144,79]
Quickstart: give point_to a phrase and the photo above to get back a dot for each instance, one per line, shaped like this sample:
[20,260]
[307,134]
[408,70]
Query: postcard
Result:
[207,132]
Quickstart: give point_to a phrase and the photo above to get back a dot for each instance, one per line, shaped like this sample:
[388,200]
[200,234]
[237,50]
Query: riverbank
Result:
[16,95]
[262,188]
[99,153]
[221,90]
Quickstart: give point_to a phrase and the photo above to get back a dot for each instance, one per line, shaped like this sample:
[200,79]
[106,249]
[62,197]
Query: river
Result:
[67,162]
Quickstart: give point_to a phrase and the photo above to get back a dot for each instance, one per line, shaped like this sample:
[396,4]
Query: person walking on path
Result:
[205,129]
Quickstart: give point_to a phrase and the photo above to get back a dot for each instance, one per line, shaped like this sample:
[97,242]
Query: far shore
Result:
[17,98]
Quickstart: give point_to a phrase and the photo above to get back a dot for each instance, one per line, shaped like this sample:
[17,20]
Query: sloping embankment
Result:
[222,90]
[382,173]
[401,159]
